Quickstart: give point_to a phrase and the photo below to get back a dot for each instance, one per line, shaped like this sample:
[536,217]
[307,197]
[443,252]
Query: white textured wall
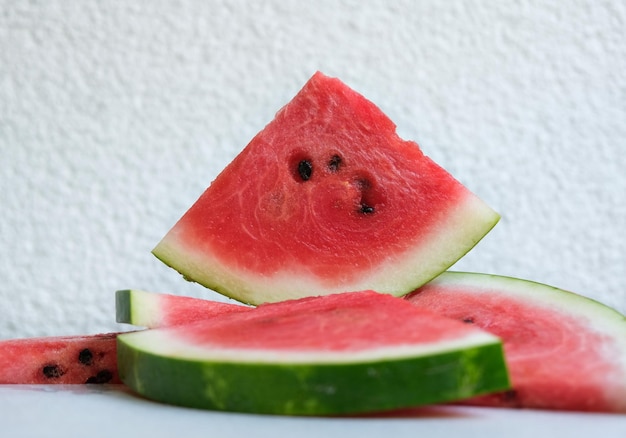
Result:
[114,117]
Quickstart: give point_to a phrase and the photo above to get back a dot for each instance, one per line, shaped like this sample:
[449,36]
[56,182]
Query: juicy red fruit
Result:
[59,360]
[330,181]
[557,357]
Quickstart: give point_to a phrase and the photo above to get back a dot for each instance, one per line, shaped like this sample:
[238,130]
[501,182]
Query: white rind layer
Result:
[460,230]
[146,307]
[166,343]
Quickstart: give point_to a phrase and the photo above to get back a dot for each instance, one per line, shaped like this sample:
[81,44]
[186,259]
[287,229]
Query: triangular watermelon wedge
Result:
[564,351]
[336,354]
[326,199]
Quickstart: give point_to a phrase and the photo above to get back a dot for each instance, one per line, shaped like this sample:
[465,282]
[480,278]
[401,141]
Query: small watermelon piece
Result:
[335,354]
[150,309]
[327,198]
[564,351]
[59,359]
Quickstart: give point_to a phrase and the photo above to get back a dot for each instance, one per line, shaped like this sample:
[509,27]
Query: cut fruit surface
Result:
[341,353]
[564,351]
[59,359]
[150,309]
[326,198]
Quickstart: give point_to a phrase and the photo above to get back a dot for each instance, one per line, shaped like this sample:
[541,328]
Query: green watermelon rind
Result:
[273,383]
[457,233]
[124,306]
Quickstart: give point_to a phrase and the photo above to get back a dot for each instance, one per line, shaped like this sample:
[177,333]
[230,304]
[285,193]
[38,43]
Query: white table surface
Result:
[113,411]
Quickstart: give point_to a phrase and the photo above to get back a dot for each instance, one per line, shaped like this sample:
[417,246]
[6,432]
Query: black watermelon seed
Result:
[85,357]
[468,320]
[305,169]
[103,376]
[334,163]
[52,371]
[367,209]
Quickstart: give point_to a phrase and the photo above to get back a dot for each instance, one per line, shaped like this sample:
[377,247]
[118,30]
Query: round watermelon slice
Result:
[335,354]
[564,351]
[150,309]
[326,198]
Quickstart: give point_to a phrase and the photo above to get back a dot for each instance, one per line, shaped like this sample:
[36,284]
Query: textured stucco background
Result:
[115,116]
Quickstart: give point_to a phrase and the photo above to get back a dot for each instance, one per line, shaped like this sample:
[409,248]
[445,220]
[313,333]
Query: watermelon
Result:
[564,351]
[335,354]
[326,198]
[150,309]
[59,359]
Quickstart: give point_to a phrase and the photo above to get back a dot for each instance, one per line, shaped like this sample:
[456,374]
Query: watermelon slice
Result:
[326,199]
[59,359]
[335,354]
[564,351]
[150,309]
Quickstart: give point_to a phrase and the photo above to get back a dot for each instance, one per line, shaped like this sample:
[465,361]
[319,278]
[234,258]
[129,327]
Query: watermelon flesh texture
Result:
[150,309]
[334,354]
[564,351]
[59,360]
[325,199]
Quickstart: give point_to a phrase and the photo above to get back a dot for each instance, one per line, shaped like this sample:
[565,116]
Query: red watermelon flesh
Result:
[563,351]
[59,359]
[338,323]
[326,198]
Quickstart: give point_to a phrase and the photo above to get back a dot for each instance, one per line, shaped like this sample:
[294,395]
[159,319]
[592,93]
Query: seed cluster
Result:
[85,358]
[305,170]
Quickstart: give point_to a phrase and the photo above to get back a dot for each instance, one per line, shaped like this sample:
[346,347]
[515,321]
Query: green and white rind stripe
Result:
[133,306]
[164,368]
[599,316]
[464,225]
[595,317]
